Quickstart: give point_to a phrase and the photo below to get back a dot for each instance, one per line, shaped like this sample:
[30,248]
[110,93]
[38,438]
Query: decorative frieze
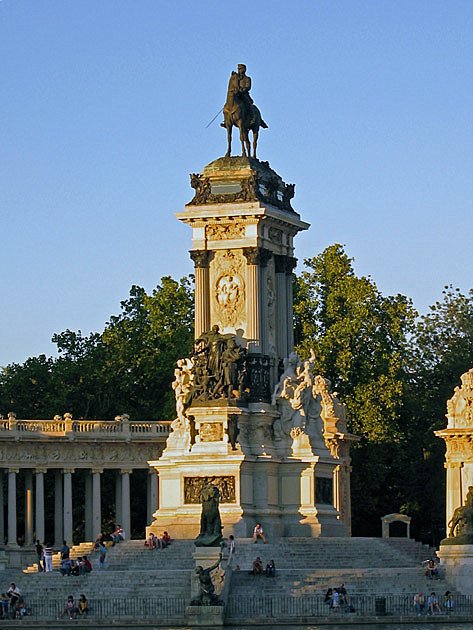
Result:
[193,488]
[224,231]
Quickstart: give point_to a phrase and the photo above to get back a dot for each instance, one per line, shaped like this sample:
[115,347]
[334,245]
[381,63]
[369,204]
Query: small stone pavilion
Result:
[251,416]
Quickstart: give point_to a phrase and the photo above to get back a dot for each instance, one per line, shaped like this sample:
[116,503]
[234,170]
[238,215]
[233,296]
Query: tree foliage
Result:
[127,368]
[359,338]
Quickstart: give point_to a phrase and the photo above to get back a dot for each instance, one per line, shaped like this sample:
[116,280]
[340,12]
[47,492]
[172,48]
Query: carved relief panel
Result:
[193,488]
[228,290]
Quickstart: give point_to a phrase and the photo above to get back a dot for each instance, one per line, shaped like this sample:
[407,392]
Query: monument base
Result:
[292,486]
[457,561]
[205,616]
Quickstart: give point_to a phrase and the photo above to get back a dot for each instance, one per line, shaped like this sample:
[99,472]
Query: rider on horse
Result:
[244,87]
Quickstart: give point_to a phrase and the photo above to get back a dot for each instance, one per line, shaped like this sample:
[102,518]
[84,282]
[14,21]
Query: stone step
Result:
[76,551]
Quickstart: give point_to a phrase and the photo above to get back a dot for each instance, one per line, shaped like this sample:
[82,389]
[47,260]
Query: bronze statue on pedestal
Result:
[240,111]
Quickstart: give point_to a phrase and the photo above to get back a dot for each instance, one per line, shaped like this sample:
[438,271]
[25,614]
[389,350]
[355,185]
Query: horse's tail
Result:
[263,124]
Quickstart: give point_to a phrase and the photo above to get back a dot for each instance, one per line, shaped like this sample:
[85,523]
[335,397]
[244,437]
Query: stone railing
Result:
[65,426]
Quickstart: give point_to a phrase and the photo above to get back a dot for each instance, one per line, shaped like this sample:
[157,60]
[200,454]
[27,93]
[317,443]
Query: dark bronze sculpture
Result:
[210,523]
[219,367]
[240,111]
[207,595]
[461,523]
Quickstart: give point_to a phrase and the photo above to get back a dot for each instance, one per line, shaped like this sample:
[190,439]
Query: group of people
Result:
[337,599]
[44,553]
[12,604]
[78,566]
[158,542]
[72,608]
[430,605]
[258,569]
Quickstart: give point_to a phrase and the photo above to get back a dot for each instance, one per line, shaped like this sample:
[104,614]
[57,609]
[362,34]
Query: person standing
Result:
[38,548]
[48,558]
[65,550]
[102,555]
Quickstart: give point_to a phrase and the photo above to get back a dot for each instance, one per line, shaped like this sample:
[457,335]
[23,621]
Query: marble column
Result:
[58,510]
[253,257]
[96,502]
[68,525]
[126,513]
[28,508]
[202,292]
[39,511]
[265,256]
[2,511]
[118,497]
[281,306]
[290,266]
[454,488]
[152,503]
[12,515]
[88,529]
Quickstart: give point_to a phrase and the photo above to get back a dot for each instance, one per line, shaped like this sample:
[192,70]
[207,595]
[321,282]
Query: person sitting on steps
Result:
[257,567]
[258,533]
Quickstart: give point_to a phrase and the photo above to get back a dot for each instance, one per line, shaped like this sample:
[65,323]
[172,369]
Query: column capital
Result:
[126,471]
[13,470]
[280,263]
[450,464]
[200,257]
[96,471]
[291,264]
[257,255]
[67,471]
[39,471]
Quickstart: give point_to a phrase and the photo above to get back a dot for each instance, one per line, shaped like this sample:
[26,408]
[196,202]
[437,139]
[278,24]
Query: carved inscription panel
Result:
[193,488]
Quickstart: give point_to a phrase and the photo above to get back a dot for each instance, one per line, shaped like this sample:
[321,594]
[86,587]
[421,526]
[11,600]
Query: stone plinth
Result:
[457,561]
[205,616]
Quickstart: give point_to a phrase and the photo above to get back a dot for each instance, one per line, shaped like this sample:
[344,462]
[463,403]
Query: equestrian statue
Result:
[240,111]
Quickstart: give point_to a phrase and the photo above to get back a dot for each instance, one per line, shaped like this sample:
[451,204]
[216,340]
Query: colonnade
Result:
[34,506]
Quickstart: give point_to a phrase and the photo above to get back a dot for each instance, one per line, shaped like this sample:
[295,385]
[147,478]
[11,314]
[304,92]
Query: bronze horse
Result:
[238,113]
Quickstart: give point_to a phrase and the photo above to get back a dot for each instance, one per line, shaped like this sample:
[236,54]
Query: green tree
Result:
[128,368]
[144,343]
[359,338]
[441,351]
[360,342]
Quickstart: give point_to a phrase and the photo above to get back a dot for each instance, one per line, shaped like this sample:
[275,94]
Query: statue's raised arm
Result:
[240,111]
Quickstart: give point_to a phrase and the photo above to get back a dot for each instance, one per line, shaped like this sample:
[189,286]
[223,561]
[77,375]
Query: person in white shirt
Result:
[259,533]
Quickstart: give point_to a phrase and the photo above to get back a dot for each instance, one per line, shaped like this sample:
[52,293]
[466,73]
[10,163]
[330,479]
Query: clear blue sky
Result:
[104,112]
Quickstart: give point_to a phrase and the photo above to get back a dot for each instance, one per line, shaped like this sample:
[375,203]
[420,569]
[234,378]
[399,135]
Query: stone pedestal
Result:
[457,561]
[209,616]
[273,439]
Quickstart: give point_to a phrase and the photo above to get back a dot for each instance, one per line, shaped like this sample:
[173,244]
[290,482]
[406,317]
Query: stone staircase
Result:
[134,581]
[136,576]
[367,566]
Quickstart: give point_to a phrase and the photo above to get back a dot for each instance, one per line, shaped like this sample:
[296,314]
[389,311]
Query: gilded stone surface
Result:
[211,432]
[193,487]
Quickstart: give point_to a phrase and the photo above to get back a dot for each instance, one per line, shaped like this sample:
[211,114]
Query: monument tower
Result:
[250,415]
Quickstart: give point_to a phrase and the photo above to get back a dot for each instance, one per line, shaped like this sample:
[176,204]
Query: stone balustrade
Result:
[47,460]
